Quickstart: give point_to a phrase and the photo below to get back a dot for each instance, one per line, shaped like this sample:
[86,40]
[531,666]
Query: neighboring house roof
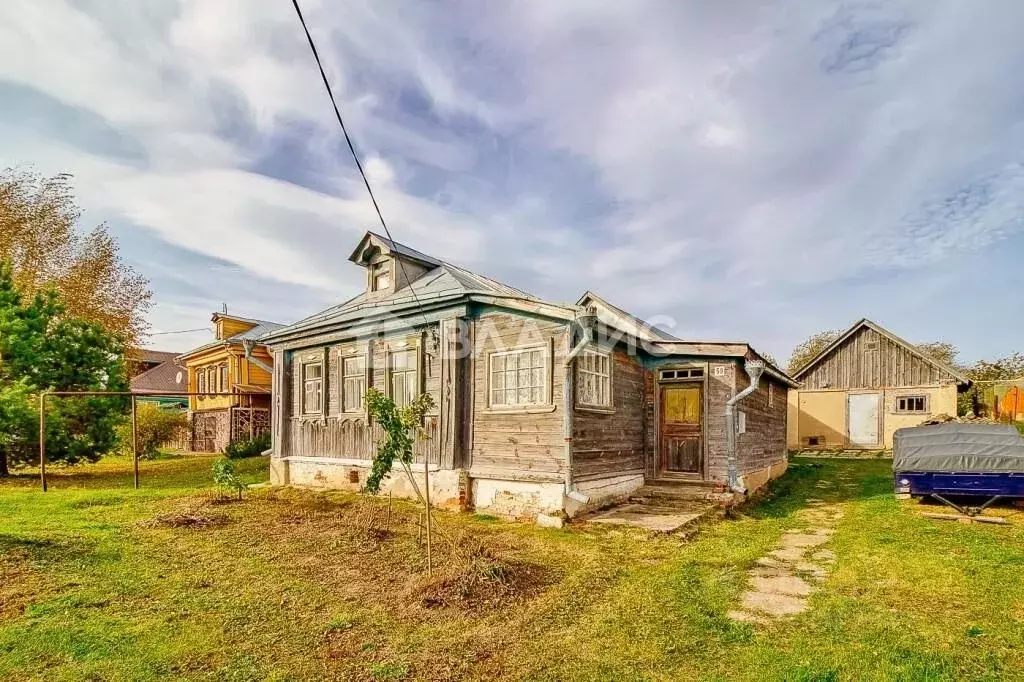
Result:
[167,377]
[153,356]
[909,347]
[262,328]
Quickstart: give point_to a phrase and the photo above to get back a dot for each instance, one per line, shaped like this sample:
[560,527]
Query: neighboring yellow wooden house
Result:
[222,366]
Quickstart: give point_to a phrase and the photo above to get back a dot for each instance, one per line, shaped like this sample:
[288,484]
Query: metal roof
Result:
[444,283]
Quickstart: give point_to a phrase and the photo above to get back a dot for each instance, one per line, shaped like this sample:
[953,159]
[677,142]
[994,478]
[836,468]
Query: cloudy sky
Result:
[751,170]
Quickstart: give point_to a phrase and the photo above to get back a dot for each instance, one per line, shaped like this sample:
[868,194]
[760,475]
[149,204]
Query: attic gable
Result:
[390,266]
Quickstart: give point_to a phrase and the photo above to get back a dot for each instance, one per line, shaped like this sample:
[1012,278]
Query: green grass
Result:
[298,585]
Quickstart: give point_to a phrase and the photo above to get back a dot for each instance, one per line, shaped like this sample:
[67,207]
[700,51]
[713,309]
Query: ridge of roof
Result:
[865,322]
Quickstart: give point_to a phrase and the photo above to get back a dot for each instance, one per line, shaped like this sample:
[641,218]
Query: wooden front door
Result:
[680,430]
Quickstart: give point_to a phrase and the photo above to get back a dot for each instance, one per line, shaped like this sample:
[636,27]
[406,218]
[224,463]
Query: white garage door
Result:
[863,408]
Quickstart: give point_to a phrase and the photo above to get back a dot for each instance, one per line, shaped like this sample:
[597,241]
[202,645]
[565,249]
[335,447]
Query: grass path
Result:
[294,585]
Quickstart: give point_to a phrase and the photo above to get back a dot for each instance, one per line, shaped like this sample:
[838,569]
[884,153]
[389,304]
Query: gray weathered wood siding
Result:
[510,440]
[347,435]
[764,442]
[613,443]
[871,360]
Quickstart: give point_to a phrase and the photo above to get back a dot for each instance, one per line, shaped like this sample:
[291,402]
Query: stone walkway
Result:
[783,579]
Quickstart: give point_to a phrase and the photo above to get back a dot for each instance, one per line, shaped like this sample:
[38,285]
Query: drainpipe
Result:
[754,368]
[585,323]
[248,345]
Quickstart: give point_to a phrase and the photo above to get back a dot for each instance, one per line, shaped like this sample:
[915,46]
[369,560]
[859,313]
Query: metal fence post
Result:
[42,438]
[135,442]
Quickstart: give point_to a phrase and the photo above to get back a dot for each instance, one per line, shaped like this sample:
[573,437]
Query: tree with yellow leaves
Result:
[41,240]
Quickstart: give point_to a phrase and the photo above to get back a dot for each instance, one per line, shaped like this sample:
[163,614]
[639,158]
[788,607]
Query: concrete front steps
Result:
[667,507]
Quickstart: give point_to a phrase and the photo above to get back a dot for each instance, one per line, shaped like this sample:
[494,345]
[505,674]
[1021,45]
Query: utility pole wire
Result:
[351,148]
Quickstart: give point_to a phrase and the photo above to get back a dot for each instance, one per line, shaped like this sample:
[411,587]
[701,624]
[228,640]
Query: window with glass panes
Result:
[313,388]
[201,382]
[223,378]
[353,382]
[594,378]
[519,378]
[404,386]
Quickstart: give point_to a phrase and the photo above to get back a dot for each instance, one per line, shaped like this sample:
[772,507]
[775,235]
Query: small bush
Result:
[247,447]
[225,477]
[155,426]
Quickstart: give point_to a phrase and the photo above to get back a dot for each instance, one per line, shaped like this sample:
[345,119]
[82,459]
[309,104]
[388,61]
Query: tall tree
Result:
[43,348]
[809,349]
[40,238]
[943,351]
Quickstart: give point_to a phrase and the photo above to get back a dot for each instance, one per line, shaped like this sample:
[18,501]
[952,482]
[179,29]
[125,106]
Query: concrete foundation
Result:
[517,499]
[343,474]
[755,480]
[597,493]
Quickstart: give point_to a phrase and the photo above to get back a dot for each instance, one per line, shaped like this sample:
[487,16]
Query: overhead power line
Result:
[180,331]
[351,148]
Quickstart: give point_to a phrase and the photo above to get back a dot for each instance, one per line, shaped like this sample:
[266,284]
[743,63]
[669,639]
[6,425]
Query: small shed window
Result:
[519,378]
[594,378]
[313,388]
[909,404]
[771,395]
[353,383]
[404,384]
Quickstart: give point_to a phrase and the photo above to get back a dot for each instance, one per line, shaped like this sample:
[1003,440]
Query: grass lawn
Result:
[102,582]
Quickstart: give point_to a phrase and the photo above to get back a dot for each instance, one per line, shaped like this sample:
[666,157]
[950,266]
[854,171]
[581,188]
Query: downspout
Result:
[248,345]
[585,323]
[754,368]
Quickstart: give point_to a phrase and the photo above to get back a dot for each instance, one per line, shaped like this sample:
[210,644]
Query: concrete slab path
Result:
[780,582]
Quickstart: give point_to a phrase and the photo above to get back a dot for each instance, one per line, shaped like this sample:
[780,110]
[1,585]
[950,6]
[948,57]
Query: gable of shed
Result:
[869,356]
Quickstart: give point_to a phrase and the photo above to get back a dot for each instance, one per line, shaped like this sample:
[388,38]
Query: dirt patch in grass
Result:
[480,579]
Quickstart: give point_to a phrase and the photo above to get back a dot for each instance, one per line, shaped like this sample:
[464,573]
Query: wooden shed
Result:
[863,387]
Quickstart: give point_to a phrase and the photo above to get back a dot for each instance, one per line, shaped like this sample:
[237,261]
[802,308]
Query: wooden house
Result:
[862,387]
[540,408]
[225,366]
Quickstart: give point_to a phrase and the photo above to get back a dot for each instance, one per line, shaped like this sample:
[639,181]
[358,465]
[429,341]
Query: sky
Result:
[750,171]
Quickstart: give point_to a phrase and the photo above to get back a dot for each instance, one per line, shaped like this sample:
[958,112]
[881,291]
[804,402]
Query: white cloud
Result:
[692,159]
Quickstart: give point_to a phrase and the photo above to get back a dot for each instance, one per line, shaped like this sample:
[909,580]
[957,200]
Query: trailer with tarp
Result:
[966,466]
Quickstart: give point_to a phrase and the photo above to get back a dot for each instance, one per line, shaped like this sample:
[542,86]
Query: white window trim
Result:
[896,404]
[348,355]
[596,407]
[417,348]
[323,397]
[546,404]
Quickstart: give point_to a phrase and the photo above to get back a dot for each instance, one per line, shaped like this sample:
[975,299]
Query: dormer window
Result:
[381,277]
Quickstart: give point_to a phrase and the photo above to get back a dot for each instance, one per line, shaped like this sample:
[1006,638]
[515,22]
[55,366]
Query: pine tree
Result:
[42,348]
